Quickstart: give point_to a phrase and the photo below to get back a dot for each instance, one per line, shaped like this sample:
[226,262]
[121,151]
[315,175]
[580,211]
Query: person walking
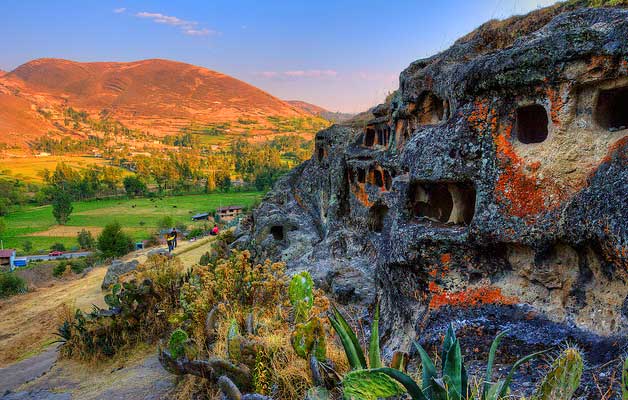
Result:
[170,242]
[174,236]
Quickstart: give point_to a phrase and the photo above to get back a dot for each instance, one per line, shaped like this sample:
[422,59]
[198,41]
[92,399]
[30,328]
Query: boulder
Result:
[116,269]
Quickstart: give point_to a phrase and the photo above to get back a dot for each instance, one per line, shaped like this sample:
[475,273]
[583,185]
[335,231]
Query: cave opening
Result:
[321,154]
[531,124]
[369,136]
[387,180]
[378,177]
[377,215]
[442,202]
[432,109]
[361,175]
[611,111]
[277,232]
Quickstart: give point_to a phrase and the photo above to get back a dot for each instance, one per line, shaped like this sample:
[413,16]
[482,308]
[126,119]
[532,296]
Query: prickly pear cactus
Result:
[233,341]
[624,381]
[309,338]
[563,378]
[301,296]
[369,385]
[176,344]
[112,298]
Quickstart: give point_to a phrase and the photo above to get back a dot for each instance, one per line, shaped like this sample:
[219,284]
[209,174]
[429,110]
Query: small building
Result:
[7,258]
[200,217]
[229,213]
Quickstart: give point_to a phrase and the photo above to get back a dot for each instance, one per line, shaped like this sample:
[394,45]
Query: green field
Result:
[138,216]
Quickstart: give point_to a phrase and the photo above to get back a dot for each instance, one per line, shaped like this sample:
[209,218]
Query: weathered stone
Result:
[497,176]
[116,269]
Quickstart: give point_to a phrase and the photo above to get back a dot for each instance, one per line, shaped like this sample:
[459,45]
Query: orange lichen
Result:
[470,297]
[479,116]
[445,258]
[525,195]
[359,191]
[556,105]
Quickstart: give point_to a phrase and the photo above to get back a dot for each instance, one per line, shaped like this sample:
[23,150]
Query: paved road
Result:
[64,255]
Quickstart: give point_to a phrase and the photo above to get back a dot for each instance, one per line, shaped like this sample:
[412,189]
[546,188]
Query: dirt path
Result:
[28,321]
[134,377]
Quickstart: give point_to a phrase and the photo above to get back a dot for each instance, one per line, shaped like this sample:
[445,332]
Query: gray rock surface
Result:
[116,269]
[493,187]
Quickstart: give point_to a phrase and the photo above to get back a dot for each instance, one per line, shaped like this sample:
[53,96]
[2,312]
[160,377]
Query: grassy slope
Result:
[28,168]
[29,220]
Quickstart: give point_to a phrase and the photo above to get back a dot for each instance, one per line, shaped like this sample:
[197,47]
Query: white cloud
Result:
[119,10]
[187,27]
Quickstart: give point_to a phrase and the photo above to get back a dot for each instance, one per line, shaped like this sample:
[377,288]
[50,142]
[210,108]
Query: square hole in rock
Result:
[531,125]
[277,232]
[611,111]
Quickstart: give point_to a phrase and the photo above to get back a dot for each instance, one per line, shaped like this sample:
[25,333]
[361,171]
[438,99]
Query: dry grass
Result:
[28,321]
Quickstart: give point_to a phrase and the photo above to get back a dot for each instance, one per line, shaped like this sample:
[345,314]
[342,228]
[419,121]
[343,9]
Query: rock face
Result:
[116,269]
[492,191]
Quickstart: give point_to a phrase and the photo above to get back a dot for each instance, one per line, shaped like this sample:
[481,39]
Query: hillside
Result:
[158,97]
[318,111]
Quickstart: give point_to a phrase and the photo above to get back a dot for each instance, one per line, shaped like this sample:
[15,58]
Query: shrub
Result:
[78,266]
[196,232]
[58,247]
[113,242]
[85,239]
[27,246]
[59,269]
[165,222]
[11,284]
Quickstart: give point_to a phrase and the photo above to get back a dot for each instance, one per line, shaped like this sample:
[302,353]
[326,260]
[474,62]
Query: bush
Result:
[78,266]
[27,246]
[58,247]
[196,232]
[165,223]
[59,269]
[113,242]
[11,284]
[86,240]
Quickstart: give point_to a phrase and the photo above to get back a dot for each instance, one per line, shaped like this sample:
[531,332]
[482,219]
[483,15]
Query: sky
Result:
[341,55]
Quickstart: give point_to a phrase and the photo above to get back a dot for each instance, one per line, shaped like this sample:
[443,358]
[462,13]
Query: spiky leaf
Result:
[375,359]
[352,337]
[347,344]
[489,366]
[429,371]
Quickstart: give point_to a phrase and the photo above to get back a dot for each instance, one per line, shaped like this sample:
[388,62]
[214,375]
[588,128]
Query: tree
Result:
[61,206]
[223,181]
[134,186]
[58,247]
[27,246]
[85,239]
[113,242]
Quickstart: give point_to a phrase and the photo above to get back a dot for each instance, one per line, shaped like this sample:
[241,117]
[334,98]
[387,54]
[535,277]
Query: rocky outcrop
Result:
[492,191]
[117,268]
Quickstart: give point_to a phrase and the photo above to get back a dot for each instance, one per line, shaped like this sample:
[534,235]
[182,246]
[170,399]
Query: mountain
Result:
[155,96]
[2,72]
[320,111]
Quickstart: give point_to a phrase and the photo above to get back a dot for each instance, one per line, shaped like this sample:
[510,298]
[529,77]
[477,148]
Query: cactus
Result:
[368,385]
[112,299]
[301,295]
[624,381]
[563,378]
[309,338]
[176,344]
[451,385]
[233,341]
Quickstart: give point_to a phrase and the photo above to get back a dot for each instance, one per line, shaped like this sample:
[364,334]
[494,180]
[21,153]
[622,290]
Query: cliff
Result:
[492,192]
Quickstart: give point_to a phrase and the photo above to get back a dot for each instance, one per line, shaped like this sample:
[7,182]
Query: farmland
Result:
[29,168]
[139,217]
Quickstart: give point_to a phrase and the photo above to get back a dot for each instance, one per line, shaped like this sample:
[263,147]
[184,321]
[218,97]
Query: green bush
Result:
[58,247]
[113,242]
[59,269]
[196,232]
[78,266]
[11,284]
[86,240]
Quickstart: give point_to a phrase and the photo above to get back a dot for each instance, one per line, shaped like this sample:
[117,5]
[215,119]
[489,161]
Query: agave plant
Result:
[452,384]
[624,380]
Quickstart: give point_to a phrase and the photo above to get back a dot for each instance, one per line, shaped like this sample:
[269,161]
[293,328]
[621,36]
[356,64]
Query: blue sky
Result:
[342,55]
